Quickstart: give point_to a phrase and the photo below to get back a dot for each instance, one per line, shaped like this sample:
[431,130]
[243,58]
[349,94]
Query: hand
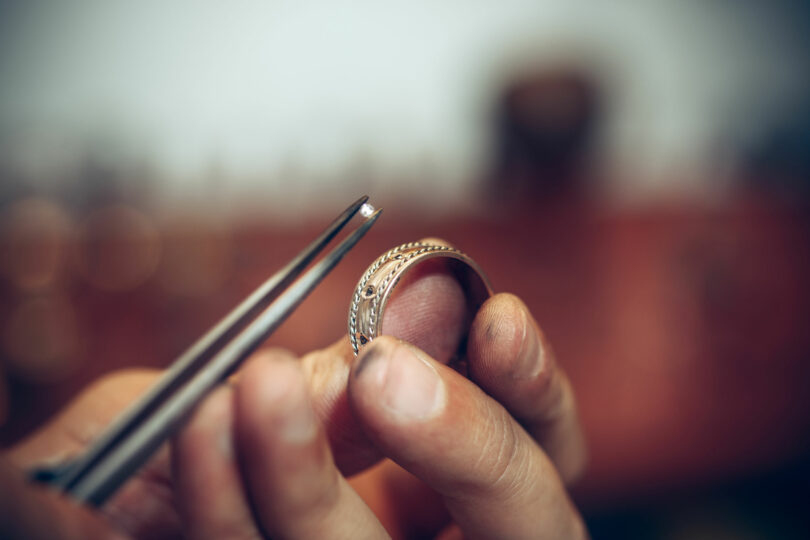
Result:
[268,453]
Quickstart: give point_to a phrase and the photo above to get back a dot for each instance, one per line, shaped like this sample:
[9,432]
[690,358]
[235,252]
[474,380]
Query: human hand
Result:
[267,454]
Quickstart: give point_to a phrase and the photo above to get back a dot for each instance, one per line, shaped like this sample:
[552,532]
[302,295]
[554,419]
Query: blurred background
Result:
[638,172]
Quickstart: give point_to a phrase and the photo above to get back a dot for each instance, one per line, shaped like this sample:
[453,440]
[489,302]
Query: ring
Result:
[379,280]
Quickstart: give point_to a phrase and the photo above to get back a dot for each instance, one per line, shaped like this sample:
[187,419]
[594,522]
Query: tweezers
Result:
[139,431]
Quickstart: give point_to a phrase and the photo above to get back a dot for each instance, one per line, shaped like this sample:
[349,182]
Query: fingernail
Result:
[410,387]
[225,443]
[531,356]
[289,406]
[225,425]
[298,424]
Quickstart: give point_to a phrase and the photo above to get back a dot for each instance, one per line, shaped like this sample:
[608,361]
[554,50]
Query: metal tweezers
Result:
[140,430]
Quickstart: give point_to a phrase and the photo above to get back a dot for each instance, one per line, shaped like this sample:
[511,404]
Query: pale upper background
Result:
[254,102]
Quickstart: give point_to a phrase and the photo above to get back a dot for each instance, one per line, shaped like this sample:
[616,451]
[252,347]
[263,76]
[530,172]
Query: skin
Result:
[268,454]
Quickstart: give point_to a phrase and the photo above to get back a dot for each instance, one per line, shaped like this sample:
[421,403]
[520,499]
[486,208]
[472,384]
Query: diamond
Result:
[366,210]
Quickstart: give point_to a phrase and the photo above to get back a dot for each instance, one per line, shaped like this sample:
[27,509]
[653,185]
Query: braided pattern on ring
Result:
[418,248]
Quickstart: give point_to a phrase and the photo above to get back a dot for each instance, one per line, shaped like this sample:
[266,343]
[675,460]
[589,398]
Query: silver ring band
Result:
[379,280]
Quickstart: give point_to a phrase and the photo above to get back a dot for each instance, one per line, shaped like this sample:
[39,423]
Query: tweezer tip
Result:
[366,210]
[373,213]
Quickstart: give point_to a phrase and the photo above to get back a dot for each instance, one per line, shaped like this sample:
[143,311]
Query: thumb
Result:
[429,309]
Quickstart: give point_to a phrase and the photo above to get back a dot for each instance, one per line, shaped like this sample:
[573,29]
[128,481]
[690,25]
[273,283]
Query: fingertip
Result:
[257,377]
[507,351]
[393,382]
[500,319]
[251,372]
[273,399]
[503,340]
[263,357]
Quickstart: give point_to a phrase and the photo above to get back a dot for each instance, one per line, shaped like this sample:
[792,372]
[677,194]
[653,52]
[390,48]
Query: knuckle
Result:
[317,501]
[503,460]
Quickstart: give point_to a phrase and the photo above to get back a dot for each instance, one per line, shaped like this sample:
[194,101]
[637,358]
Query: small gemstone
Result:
[369,291]
[363,339]
[366,210]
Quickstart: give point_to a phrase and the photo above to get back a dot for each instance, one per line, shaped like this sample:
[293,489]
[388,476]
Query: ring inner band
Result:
[379,280]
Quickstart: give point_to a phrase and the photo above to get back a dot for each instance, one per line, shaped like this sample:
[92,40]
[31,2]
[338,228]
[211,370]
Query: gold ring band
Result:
[379,280]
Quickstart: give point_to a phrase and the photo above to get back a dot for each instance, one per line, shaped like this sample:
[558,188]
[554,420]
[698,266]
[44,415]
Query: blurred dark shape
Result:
[4,397]
[780,161]
[770,506]
[108,172]
[545,122]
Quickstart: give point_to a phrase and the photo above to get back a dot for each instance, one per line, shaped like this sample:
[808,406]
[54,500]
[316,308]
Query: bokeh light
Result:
[197,256]
[118,248]
[36,237]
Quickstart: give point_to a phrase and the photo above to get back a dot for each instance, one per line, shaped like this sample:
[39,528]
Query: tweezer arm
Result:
[132,440]
[101,482]
[199,353]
